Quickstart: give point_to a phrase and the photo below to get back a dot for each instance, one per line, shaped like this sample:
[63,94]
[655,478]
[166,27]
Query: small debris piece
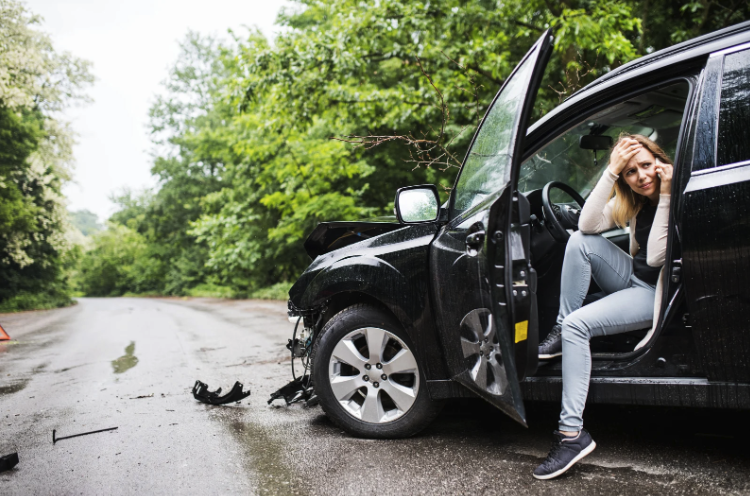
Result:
[56,439]
[297,390]
[202,394]
[7,462]
[144,396]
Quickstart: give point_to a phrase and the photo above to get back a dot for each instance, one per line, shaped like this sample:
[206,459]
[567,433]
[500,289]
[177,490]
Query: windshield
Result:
[657,115]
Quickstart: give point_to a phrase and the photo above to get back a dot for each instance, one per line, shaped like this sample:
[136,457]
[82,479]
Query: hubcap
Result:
[481,351]
[367,396]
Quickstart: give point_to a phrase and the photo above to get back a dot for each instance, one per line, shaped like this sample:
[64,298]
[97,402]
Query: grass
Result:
[209,290]
[35,301]
[279,291]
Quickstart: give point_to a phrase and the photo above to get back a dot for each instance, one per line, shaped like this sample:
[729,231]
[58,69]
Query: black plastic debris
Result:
[299,389]
[202,394]
[56,439]
[7,462]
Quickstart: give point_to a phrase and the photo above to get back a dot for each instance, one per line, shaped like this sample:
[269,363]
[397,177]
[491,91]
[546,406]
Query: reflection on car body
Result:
[456,304]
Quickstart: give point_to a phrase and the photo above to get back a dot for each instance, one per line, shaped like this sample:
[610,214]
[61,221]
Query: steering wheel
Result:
[560,218]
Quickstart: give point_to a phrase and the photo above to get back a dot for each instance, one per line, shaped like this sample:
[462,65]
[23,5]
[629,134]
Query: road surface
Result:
[130,363]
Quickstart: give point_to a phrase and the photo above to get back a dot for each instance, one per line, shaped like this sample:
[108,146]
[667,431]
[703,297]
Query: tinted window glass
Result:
[487,166]
[734,112]
[656,114]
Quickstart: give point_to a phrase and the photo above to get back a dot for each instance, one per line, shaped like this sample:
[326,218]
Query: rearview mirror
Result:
[417,204]
[594,142]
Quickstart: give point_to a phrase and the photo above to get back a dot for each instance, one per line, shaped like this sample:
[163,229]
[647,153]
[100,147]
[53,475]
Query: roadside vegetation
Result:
[242,133]
[36,83]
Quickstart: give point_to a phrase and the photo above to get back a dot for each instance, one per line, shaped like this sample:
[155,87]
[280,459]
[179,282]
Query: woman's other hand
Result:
[664,171]
[624,150]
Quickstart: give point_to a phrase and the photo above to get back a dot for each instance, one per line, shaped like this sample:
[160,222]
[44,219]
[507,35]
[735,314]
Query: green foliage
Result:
[43,300]
[208,290]
[35,157]
[243,134]
[119,263]
[278,291]
[85,221]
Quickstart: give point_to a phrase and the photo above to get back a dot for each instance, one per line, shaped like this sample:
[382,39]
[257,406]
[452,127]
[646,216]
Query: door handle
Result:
[475,239]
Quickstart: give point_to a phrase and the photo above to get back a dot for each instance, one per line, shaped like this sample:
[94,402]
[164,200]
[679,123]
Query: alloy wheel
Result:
[373,375]
[481,351]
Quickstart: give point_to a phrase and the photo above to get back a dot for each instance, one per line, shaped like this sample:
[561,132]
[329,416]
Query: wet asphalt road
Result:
[85,367]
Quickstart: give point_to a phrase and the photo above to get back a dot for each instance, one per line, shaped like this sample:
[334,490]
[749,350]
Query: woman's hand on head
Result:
[624,150]
[664,172]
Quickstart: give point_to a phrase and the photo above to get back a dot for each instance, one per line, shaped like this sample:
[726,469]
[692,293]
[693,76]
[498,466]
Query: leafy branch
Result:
[424,151]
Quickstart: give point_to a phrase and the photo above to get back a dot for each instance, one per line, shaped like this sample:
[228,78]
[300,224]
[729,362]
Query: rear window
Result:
[734,111]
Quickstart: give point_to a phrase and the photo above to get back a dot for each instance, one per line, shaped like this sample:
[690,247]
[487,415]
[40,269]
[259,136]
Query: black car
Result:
[451,301]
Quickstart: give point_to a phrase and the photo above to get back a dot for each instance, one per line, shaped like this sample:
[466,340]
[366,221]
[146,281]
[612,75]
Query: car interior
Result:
[577,158]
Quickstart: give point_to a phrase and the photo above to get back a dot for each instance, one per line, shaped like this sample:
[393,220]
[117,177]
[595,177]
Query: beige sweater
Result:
[596,217]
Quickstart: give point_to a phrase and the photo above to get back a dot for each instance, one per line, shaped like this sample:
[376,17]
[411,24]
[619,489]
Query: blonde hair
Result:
[628,204]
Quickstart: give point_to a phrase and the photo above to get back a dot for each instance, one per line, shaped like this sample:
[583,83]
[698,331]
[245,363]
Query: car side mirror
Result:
[417,204]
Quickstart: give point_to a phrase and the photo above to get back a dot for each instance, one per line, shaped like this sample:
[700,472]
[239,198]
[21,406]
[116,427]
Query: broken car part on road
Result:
[300,388]
[202,394]
[7,462]
[56,439]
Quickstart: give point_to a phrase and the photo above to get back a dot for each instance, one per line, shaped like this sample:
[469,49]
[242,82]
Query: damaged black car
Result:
[396,315]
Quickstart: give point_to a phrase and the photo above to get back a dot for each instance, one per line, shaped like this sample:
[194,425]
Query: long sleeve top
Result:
[596,217]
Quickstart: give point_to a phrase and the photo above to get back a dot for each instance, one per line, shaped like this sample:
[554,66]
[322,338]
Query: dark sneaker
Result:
[565,452]
[551,347]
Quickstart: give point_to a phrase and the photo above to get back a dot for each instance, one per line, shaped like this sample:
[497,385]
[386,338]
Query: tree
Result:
[85,221]
[248,138]
[35,158]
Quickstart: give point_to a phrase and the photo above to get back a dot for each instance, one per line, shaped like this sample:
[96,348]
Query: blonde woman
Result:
[640,174]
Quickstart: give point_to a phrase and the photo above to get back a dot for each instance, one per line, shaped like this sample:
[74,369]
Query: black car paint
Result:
[390,269]
[329,236]
[700,355]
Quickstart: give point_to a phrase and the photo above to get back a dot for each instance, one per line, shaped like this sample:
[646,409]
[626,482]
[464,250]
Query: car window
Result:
[734,111]
[487,166]
[656,114]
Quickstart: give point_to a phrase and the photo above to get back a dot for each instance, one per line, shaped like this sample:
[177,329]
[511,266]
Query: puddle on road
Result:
[13,388]
[265,455]
[127,361]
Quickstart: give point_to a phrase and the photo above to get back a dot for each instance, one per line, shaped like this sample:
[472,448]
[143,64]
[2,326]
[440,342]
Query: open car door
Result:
[483,282]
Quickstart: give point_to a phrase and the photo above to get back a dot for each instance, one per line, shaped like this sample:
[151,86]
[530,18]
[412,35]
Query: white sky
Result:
[132,44]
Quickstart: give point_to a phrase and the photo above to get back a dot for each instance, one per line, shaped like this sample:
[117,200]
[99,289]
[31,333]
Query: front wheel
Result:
[367,376]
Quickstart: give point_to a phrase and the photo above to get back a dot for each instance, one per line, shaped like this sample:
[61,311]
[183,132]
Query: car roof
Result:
[698,47]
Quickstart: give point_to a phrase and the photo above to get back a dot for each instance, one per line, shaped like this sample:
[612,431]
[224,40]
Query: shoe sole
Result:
[591,447]
[550,356]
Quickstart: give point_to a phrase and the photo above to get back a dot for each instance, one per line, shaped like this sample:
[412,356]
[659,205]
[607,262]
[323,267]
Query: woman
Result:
[641,174]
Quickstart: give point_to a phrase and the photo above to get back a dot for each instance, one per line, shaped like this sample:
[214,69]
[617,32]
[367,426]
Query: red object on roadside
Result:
[3,335]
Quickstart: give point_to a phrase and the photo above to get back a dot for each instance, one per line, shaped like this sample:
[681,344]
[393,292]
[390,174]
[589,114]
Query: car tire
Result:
[359,400]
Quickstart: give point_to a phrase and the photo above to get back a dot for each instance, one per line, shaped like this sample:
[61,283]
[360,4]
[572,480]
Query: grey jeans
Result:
[629,305]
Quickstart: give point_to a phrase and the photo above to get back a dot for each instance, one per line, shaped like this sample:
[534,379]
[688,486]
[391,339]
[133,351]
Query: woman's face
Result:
[640,174]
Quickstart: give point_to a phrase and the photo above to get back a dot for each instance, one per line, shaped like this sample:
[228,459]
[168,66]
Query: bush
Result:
[279,291]
[119,263]
[35,301]
[209,290]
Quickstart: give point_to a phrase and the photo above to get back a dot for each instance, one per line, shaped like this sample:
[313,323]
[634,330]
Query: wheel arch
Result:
[346,299]
[363,279]
[368,279]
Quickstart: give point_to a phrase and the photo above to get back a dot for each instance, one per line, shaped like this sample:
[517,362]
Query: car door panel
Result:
[716,223]
[483,283]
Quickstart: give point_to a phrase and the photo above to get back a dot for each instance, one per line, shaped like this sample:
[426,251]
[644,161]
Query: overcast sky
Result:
[132,44]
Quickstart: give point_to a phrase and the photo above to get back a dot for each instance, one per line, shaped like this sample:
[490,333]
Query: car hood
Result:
[330,236]
[388,248]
